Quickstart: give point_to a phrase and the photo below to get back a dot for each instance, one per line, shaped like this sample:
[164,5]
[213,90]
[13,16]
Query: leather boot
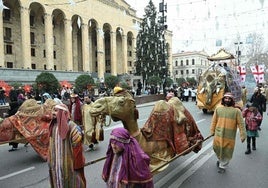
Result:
[253,143]
[248,146]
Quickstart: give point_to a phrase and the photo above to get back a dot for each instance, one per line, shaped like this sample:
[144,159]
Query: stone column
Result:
[2,54]
[133,53]
[124,46]
[68,45]
[90,49]
[49,41]
[113,54]
[100,53]
[85,47]
[25,37]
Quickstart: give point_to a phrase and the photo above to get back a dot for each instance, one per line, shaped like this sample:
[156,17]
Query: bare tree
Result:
[255,45]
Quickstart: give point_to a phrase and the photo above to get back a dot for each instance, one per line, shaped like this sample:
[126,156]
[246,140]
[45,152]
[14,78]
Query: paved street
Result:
[24,169]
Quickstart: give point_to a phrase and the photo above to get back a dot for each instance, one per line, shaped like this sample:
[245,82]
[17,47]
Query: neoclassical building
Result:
[189,64]
[91,36]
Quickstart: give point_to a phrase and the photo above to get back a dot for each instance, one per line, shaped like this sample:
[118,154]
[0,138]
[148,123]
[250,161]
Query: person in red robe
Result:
[65,156]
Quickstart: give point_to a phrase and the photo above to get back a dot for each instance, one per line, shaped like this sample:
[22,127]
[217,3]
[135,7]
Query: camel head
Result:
[118,107]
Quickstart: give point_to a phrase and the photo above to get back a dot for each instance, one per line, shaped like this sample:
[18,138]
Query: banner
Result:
[242,73]
[258,73]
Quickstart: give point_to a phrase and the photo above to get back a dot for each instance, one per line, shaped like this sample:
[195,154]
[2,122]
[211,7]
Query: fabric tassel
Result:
[101,134]
[93,137]
[136,113]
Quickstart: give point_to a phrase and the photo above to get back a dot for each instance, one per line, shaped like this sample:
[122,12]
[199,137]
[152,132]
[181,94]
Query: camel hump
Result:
[179,109]
[161,106]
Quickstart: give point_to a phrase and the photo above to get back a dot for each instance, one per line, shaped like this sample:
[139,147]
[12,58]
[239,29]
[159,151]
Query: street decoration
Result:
[65,83]
[27,88]
[242,73]
[5,86]
[258,73]
[2,6]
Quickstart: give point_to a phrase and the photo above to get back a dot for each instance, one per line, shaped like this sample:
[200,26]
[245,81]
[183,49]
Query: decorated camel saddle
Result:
[29,124]
[169,130]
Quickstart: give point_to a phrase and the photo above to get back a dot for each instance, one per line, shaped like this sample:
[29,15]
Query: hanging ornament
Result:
[101,33]
[2,6]
[136,26]
[79,22]
[261,2]
[72,3]
[120,31]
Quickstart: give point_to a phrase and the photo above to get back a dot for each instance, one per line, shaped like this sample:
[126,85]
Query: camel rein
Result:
[166,161]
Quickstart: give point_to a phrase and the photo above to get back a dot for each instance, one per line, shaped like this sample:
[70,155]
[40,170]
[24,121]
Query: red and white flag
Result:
[242,73]
[258,73]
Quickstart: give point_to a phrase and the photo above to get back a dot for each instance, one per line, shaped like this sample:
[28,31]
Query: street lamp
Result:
[238,52]
[163,19]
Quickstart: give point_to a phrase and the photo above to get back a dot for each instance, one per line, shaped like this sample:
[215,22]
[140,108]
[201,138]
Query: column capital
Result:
[22,9]
[66,21]
[83,25]
[46,15]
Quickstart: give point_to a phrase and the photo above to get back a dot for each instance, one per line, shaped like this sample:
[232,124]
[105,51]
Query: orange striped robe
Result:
[225,122]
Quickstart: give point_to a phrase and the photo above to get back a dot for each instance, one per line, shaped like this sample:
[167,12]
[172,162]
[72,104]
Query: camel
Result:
[29,124]
[169,130]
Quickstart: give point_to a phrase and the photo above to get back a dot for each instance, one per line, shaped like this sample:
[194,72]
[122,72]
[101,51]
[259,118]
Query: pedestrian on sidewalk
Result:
[126,165]
[225,121]
[252,120]
[259,101]
[2,96]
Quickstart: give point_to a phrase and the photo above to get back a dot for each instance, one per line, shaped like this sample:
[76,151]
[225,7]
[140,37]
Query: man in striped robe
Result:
[225,121]
[65,157]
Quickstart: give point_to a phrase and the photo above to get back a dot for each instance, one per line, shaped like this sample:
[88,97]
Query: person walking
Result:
[259,101]
[244,95]
[65,155]
[2,96]
[75,109]
[225,121]
[252,119]
[126,164]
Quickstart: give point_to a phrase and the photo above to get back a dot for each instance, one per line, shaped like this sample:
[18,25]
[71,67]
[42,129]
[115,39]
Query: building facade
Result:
[189,64]
[89,36]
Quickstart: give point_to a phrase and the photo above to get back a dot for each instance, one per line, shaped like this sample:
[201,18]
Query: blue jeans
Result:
[2,102]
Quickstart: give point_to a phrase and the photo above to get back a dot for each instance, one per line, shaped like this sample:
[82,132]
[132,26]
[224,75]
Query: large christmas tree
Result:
[151,56]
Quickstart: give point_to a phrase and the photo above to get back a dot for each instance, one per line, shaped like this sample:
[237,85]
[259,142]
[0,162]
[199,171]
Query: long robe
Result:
[65,162]
[225,122]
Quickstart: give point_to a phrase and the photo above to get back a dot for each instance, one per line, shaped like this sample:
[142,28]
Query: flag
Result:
[258,73]
[242,73]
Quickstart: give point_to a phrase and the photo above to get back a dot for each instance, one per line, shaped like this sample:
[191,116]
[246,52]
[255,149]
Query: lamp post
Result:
[238,52]
[163,19]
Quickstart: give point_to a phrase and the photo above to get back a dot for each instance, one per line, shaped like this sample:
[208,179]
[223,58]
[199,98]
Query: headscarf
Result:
[77,112]
[63,117]
[135,163]
[169,96]
[231,103]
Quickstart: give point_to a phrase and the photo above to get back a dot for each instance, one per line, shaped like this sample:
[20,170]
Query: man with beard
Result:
[65,156]
[225,121]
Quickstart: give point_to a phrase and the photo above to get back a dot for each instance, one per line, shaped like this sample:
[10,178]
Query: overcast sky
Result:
[200,24]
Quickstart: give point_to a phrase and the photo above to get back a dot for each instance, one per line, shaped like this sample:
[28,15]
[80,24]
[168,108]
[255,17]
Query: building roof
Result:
[221,55]
[190,53]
